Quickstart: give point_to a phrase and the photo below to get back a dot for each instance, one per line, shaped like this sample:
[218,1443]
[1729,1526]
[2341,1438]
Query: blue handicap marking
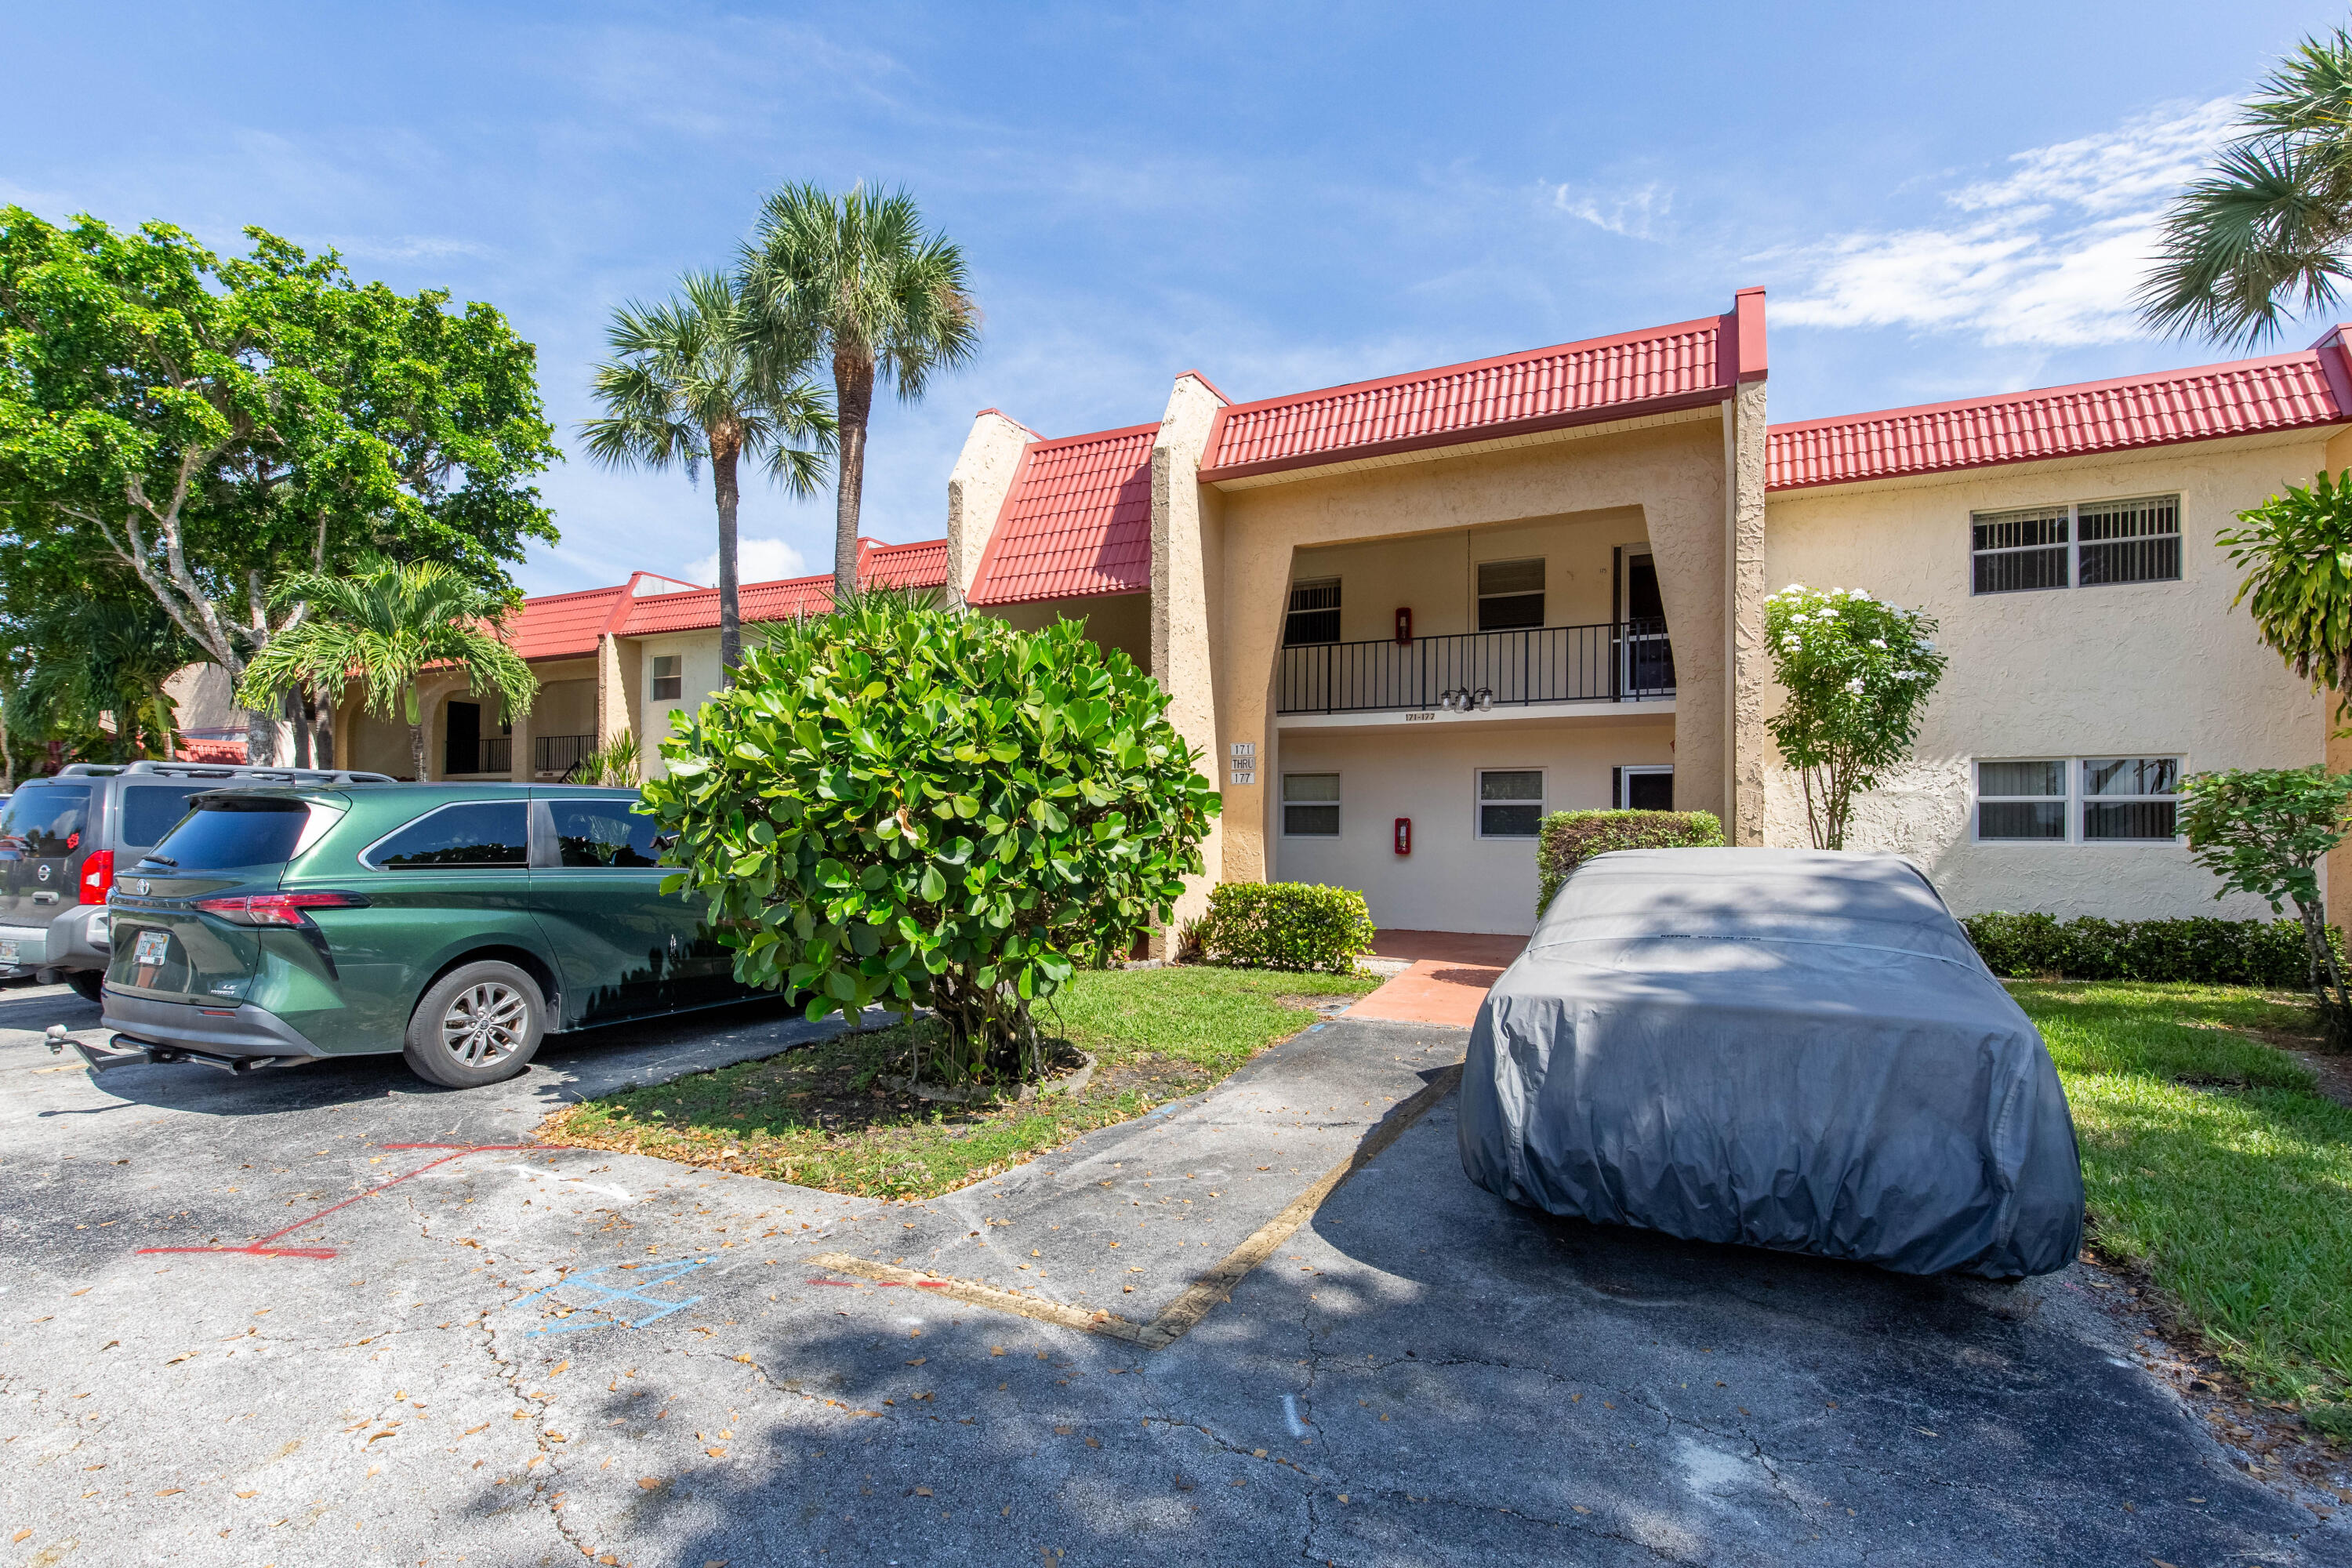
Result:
[609,1299]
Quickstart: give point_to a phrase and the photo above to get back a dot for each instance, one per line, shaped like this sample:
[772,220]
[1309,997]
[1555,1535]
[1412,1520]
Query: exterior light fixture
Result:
[1485,699]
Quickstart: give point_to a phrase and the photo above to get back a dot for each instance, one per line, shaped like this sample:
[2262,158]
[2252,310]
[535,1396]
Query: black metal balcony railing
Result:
[491,755]
[1616,661]
[559,754]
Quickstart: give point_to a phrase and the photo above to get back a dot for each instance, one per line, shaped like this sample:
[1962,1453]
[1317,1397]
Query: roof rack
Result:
[178,770]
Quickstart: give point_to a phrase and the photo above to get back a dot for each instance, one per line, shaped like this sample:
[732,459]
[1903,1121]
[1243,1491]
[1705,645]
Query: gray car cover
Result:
[1790,1049]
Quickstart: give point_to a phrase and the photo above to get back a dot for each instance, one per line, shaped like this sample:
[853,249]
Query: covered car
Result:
[1788,1048]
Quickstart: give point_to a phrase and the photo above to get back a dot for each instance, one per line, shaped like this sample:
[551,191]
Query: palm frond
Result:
[2263,234]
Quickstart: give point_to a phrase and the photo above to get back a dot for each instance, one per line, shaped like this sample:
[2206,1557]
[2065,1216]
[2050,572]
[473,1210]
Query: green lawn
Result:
[2209,1163]
[818,1117]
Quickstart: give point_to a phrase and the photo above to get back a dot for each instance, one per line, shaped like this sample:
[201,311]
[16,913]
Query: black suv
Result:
[62,836]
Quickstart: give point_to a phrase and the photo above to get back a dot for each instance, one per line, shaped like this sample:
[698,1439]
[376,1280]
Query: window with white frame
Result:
[1314,614]
[1510,802]
[2079,800]
[1644,788]
[1510,594]
[1311,805]
[669,678]
[2086,544]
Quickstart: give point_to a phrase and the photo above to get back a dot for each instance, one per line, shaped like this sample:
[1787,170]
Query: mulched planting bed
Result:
[820,1116]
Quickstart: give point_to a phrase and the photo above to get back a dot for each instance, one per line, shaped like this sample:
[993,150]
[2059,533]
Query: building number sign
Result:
[1244,760]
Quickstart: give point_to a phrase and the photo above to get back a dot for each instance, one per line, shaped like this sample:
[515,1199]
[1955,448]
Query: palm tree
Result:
[385,625]
[94,656]
[856,277]
[691,379]
[2269,230]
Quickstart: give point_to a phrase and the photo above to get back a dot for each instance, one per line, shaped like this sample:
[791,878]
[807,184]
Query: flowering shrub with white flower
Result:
[1857,671]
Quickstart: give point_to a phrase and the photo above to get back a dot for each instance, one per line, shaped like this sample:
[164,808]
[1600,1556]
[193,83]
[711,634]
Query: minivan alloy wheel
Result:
[484,1023]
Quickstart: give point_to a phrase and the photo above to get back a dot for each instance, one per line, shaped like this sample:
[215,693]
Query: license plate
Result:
[151,947]
[8,952]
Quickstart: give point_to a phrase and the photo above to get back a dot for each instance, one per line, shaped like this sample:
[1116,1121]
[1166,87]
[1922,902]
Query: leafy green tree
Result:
[2268,230]
[2264,831]
[384,624]
[92,656]
[901,805]
[212,424]
[694,378]
[855,277]
[1857,671]
[2296,551]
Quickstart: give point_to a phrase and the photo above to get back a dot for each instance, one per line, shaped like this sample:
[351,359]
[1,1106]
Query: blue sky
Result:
[1942,201]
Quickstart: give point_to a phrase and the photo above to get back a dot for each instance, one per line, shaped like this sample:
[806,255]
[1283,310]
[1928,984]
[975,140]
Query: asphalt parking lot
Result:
[338,1315]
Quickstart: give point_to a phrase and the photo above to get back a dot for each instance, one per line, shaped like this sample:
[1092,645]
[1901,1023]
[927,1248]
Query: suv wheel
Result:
[90,985]
[477,1024]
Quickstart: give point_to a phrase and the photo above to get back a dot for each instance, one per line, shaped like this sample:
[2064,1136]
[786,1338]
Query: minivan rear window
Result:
[232,831]
[46,821]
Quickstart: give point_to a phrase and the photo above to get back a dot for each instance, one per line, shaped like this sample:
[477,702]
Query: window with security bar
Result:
[1314,614]
[2085,544]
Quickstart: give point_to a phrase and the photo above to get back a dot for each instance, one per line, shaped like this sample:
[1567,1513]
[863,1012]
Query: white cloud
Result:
[1636,214]
[2050,253]
[756,561]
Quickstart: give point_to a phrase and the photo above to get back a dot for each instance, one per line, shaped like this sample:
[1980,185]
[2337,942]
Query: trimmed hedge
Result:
[1286,925]
[2205,950]
[1568,839]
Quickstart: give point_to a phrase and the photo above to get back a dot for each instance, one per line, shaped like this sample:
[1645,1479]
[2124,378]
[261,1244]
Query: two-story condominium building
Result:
[1402,619]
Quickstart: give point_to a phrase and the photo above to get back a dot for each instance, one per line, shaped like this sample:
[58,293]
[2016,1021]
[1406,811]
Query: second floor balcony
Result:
[1615,661]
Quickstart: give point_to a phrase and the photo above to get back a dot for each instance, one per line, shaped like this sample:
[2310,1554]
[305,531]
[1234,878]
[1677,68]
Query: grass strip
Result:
[818,1117]
[2209,1163]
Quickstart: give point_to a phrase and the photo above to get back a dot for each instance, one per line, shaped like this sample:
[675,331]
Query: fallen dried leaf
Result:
[20,1536]
[171,1491]
[1061,1431]
[248,1494]
[651,1483]
[716,1453]
[922,1491]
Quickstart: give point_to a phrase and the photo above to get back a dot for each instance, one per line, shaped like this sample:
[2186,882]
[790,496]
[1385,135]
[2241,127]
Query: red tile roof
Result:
[1076,522]
[923,564]
[562,626]
[1683,365]
[2283,391]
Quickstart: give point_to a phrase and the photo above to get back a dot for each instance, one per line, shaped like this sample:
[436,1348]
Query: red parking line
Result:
[262,1249]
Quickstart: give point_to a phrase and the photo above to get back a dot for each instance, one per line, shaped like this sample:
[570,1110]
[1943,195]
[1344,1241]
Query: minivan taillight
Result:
[277,909]
[97,876]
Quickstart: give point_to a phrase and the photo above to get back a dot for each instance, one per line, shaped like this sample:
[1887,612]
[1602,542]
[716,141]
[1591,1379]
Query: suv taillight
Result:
[277,909]
[97,876]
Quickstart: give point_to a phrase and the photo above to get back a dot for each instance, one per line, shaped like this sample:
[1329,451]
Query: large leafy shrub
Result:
[2206,950]
[1857,671]
[1287,925]
[1566,839]
[915,807]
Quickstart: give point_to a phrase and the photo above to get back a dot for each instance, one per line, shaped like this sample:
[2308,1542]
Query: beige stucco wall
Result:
[1122,621]
[1435,575]
[1453,880]
[1669,473]
[700,677]
[2158,668]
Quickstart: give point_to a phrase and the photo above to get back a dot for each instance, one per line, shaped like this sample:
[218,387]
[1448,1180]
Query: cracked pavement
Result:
[1419,1374]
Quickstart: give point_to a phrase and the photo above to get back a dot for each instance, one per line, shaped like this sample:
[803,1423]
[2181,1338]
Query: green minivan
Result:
[456,924]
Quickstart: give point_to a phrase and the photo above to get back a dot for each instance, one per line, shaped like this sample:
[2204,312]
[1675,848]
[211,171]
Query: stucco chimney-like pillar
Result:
[977,487]
[1186,564]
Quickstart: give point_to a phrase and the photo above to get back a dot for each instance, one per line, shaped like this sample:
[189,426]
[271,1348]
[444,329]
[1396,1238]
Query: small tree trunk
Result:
[293,706]
[260,738]
[8,764]
[2326,978]
[417,751]
[725,445]
[853,384]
